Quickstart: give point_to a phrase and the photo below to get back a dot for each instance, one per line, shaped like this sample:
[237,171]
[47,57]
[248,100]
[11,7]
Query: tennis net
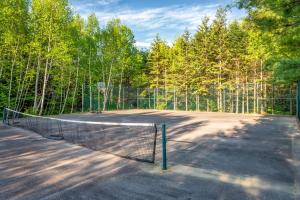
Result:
[135,141]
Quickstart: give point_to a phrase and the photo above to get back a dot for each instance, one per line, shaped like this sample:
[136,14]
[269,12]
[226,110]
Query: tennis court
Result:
[210,156]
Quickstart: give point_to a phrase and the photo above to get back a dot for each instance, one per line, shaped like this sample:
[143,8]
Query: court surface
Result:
[210,156]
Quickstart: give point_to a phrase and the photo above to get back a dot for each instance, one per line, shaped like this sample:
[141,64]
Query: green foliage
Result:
[51,58]
[281,21]
[48,54]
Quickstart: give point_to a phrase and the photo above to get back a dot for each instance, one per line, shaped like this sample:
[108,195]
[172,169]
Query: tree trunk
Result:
[11,74]
[106,91]
[149,98]
[82,97]
[19,95]
[243,99]
[76,83]
[186,98]
[35,103]
[224,100]
[120,89]
[1,65]
[198,103]
[219,93]
[137,98]
[231,101]
[46,69]
[154,98]
[123,99]
[237,94]
[265,97]
[67,94]
[99,102]
[90,82]
[44,87]
[24,96]
[261,88]
[207,105]
[62,87]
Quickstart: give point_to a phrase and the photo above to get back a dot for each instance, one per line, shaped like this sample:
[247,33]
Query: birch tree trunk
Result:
[237,94]
[265,97]
[82,97]
[1,65]
[44,82]
[120,89]
[243,99]
[186,98]
[224,100]
[231,101]
[261,88]
[24,97]
[67,95]
[207,105]
[247,96]
[11,73]
[106,91]
[76,83]
[61,91]
[220,102]
[20,92]
[35,103]
[90,82]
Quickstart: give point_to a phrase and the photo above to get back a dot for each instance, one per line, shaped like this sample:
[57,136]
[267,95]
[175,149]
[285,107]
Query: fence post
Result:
[137,98]
[164,147]
[291,100]
[123,99]
[154,98]
[298,100]
[4,115]
[149,98]
[273,99]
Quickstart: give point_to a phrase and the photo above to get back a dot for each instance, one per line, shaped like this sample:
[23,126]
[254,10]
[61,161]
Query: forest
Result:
[51,60]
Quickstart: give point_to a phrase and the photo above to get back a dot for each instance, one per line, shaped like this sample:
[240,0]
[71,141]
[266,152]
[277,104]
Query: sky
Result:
[147,18]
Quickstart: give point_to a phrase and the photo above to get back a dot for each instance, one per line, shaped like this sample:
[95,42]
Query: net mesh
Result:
[135,141]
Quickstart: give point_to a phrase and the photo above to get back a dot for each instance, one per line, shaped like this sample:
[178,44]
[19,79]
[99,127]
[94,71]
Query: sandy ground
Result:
[210,156]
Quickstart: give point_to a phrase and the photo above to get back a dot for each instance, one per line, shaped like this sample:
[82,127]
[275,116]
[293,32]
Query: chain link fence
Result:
[262,98]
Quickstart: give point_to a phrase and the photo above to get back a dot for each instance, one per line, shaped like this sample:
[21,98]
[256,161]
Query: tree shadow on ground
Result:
[227,164]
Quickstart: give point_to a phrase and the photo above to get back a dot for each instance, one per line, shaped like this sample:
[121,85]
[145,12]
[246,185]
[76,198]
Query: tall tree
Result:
[281,19]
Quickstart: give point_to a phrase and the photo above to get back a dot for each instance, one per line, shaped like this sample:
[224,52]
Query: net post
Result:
[164,150]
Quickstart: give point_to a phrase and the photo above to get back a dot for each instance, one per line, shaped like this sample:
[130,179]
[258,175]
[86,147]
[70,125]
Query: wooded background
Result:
[51,60]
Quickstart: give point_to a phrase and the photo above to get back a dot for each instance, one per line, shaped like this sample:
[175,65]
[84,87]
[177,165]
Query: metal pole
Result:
[82,98]
[123,99]
[154,99]
[273,96]
[99,107]
[298,100]
[4,115]
[149,99]
[164,148]
[137,98]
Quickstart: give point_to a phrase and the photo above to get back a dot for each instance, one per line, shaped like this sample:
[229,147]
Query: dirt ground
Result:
[214,156]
